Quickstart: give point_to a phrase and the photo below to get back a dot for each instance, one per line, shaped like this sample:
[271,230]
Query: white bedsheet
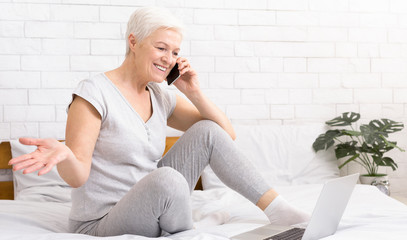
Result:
[220,214]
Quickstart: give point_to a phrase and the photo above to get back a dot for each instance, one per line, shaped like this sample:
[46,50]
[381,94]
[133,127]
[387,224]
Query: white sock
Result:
[280,212]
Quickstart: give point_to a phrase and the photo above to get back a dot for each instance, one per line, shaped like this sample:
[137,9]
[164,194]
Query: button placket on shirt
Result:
[148,132]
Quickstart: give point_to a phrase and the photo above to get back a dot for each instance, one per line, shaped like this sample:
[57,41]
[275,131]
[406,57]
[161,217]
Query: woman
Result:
[115,136]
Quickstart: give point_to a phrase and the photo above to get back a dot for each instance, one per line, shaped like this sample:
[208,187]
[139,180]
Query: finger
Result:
[32,141]
[183,64]
[184,70]
[46,169]
[180,60]
[49,165]
[36,166]
[20,159]
[24,164]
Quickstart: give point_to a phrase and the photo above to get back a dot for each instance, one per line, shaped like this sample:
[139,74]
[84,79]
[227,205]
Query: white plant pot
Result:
[371,179]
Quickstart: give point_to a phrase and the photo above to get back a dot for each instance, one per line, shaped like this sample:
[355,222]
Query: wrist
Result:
[194,96]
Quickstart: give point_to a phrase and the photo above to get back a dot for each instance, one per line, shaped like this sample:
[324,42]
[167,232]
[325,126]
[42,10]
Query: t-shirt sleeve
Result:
[88,90]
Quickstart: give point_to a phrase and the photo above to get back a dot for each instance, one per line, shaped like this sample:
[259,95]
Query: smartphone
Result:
[173,75]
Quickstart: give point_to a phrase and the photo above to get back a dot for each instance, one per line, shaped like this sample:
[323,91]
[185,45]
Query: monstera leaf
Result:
[382,147]
[326,140]
[345,119]
[370,134]
[346,149]
[385,161]
[385,126]
[376,130]
[367,149]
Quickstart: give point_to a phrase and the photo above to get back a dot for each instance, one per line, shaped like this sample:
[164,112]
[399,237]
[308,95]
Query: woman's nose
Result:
[168,58]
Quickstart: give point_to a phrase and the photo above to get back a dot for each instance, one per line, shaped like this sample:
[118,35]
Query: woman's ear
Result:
[132,41]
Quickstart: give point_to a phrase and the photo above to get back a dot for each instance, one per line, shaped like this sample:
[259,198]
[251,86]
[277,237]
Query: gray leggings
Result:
[161,200]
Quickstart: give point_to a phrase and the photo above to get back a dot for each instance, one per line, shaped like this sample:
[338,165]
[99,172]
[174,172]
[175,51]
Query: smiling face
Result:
[157,54]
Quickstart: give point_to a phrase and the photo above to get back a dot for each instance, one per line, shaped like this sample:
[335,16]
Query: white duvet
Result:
[220,214]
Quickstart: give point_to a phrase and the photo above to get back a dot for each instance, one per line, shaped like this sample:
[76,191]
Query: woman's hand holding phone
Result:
[187,81]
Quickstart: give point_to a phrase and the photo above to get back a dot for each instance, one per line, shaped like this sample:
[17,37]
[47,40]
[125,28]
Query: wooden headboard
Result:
[7,189]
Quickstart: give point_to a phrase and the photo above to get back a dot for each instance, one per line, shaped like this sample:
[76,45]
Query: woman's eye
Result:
[175,54]
[161,49]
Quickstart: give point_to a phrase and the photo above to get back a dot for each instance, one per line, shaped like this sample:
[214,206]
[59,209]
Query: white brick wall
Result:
[261,61]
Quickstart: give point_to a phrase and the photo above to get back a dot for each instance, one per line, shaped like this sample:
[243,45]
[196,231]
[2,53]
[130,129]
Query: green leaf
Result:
[385,161]
[381,147]
[326,140]
[371,134]
[345,119]
[366,148]
[385,126]
[377,130]
[346,149]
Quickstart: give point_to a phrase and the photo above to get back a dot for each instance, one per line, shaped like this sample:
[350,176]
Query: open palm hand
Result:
[49,152]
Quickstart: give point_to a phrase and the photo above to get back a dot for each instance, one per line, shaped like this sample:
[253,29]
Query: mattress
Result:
[219,214]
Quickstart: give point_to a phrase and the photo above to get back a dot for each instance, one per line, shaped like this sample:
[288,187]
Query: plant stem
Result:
[368,163]
[337,139]
[367,166]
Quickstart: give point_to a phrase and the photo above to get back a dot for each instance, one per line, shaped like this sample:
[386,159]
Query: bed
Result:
[40,208]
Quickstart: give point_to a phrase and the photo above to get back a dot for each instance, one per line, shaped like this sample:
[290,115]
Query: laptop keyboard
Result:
[291,234]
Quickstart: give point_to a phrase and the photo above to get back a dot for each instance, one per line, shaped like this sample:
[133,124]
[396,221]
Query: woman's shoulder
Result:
[97,81]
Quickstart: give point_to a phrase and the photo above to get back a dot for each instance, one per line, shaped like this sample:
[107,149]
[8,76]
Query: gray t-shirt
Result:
[127,148]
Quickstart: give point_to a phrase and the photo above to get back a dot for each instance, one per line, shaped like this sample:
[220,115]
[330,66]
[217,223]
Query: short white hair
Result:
[144,21]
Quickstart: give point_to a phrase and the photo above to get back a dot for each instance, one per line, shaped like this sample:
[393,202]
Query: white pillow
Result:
[282,154]
[30,187]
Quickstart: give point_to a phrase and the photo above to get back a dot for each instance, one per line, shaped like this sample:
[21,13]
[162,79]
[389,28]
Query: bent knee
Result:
[171,181]
[208,127]
[206,124]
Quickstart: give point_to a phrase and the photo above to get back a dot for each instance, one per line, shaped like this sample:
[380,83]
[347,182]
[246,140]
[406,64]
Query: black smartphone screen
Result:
[173,75]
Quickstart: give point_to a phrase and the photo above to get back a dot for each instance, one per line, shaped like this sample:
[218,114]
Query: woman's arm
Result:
[82,130]
[186,114]
[73,159]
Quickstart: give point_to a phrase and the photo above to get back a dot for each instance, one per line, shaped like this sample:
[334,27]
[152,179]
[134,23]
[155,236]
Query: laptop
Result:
[325,218]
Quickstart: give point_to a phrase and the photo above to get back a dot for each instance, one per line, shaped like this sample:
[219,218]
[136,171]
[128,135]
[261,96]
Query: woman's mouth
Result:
[161,68]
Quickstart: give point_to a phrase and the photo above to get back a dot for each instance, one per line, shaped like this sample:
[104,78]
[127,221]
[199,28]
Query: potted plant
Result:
[365,146]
